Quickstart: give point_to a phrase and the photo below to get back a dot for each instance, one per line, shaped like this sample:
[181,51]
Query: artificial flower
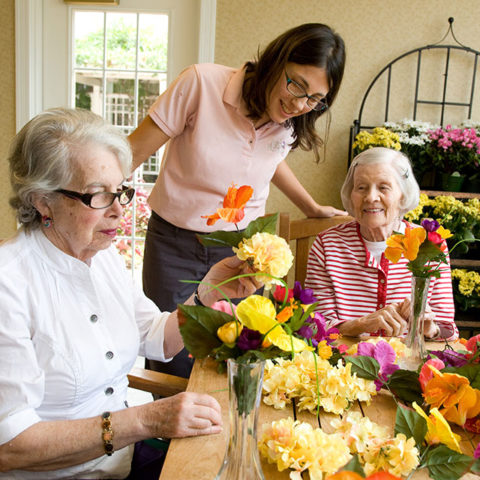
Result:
[347,475]
[406,244]
[266,253]
[439,430]
[324,350]
[473,424]
[286,313]
[426,373]
[229,332]
[224,306]
[305,295]
[450,357]
[249,339]
[454,393]
[279,293]
[314,329]
[476,453]
[258,313]
[233,205]
[472,346]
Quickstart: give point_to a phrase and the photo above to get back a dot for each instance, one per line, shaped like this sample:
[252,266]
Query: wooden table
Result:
[200,458]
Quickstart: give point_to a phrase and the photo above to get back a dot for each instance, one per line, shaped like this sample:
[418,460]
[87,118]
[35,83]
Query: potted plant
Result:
[466,289]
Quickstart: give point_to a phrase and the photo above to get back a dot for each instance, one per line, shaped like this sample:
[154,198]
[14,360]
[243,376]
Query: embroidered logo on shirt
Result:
[278,146]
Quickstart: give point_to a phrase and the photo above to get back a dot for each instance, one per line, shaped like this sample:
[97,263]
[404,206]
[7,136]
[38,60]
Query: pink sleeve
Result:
[177,106]
[318,279]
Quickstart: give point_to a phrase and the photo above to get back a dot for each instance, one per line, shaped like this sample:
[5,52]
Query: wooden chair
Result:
[156,382]
[303,232]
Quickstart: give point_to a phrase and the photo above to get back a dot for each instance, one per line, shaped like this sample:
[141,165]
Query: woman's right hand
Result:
[186,414]
[388,320]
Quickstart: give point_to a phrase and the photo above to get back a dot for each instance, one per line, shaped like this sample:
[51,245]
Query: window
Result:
[119,68]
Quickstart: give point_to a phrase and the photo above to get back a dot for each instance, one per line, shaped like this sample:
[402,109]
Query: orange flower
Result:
[348,475]
[233,205]
[454,393]
[286,313]
[406,245]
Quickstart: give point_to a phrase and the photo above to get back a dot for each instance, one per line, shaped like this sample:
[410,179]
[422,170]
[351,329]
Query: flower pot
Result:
[452,183]
[241,459]
[415,340]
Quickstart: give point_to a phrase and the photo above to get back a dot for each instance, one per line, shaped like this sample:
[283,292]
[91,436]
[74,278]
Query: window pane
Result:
[88,39]
[119,101]
[153,39]
[89,90]
[121,40]
[150,86]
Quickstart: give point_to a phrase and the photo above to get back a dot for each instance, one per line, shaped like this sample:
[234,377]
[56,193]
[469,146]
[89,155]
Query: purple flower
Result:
[249,339]
[315,329]
[430,225]
[304,295]
[450,358]
[384,354]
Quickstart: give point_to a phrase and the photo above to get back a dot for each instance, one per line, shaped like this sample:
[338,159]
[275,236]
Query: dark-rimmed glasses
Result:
[316,103]
[101,199]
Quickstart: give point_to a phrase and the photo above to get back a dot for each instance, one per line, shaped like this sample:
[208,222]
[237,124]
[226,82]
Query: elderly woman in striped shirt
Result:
[359,290]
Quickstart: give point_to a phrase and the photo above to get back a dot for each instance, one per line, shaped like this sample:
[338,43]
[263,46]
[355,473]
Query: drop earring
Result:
[46,221]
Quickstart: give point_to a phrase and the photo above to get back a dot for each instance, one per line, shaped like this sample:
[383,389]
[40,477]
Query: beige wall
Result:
[7,109]
[375,32]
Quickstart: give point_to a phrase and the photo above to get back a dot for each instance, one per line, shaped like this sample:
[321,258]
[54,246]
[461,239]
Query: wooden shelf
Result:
[436,193]
[464,263]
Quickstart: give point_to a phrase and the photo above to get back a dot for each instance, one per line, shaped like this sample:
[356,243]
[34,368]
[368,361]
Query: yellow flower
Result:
[229,332]
[438,429]
[444,233]
[258,313]
[266,253]
[324,350]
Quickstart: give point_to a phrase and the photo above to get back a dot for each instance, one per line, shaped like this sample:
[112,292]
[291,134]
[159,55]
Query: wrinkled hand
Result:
[387,319]
[430,328]
[186,414]
[326,211]
[223,270]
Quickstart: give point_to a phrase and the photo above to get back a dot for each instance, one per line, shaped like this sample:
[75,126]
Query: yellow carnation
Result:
[266,253]
[229,332]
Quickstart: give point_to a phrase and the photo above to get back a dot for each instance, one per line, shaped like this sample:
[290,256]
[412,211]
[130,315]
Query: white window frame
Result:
[29,53]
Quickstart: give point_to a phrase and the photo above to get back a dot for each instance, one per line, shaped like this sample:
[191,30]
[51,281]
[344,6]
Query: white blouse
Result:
[69,334]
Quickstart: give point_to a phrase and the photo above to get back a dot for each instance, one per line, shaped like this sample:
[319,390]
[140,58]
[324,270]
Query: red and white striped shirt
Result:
[349,282]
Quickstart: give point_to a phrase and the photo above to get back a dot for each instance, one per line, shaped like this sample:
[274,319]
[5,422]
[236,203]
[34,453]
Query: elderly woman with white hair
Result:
[359,290]
[72,323]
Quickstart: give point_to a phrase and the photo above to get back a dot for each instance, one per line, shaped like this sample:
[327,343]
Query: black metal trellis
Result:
[358,125]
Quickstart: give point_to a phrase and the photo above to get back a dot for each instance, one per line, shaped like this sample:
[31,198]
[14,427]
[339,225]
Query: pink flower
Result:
[476,454]
[426,373]
[224,306]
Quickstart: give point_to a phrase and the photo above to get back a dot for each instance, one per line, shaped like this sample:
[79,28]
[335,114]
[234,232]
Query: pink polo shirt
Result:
[212,145]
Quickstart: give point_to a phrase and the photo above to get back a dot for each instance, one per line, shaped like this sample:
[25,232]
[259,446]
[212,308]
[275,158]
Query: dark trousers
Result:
[173,254]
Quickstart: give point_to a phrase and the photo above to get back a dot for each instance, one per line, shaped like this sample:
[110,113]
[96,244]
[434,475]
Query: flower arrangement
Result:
[462,218]
[437,394]
[379,137]
[466,288]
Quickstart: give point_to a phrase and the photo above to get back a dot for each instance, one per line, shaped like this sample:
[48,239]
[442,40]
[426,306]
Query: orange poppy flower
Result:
[406,244]
[454,393]
[348,475]
[233,205]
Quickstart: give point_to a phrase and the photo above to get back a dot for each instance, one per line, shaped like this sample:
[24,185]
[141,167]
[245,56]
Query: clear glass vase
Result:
[242,461]
[415,339]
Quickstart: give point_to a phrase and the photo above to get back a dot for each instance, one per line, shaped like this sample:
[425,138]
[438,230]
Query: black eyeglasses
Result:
[316,103]
[101,199]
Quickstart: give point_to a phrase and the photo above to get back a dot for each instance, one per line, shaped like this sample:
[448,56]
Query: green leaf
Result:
[446,464]
[354,465]
[411,424]
[364,367]
[296,320]
[472,372]
[266,224]
[220,239]
[475,468]
[405,385]
[199,332]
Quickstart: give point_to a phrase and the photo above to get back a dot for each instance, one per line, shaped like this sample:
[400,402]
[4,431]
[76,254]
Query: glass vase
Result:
[241,459]
[415,340]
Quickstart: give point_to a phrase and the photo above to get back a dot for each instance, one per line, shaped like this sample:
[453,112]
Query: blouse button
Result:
[380,305]
[382,280]
[108,391]
[93,318]
[109,355]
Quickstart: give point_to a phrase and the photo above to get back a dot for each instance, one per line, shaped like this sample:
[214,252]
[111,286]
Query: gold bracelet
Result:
[107,433]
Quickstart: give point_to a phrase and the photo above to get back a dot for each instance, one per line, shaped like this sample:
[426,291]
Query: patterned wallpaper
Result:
[7,109]
[375,32]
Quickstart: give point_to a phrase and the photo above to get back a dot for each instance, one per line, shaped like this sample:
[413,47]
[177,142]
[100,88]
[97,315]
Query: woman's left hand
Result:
[227,268]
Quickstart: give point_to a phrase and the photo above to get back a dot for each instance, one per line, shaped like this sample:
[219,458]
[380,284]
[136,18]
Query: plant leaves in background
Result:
[220,238]
[199,332]
[405,385]
[364,367]
[354,465]
[445,464]
[411,424]
[472,372]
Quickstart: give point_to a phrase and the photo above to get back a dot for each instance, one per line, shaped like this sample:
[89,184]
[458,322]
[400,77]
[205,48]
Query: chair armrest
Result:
[155,382]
